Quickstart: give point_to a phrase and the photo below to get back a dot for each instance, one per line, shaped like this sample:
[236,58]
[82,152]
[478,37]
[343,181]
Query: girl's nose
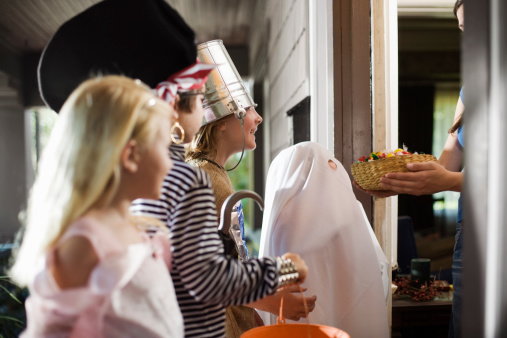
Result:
[258,120]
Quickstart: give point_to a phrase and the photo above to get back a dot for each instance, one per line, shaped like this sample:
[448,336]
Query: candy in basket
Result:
[368,170]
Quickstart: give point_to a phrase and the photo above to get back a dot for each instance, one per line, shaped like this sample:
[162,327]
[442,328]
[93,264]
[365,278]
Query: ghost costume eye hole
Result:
[331,164]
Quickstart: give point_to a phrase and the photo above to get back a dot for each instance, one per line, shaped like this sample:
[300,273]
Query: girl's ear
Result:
[222,126]
[130,156]
[174,104]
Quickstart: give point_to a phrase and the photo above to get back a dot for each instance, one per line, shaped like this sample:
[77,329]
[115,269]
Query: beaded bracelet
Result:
[287,271]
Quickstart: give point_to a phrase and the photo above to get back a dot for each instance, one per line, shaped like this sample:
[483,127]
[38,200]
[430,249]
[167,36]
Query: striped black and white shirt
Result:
[205,280]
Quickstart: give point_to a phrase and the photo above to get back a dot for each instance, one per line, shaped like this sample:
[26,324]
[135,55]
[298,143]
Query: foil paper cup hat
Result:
[225,92]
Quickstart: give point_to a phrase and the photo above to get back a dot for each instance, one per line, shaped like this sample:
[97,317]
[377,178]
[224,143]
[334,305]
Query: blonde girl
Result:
[82,257]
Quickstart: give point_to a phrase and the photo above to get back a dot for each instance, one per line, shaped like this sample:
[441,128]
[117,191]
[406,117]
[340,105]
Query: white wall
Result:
[280,53]
[321,50]
[291,52]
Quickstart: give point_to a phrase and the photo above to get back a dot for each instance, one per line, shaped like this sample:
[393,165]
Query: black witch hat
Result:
[142,39]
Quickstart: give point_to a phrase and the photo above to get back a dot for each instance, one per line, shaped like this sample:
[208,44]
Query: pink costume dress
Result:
[129,293]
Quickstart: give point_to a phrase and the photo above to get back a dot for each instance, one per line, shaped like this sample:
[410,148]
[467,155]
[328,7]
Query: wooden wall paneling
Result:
[385,118]
[352,90]
[385,113]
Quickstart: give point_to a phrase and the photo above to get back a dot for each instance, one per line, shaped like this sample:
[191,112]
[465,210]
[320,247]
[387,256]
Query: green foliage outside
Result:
[242,179]
[42,121]
[12,299]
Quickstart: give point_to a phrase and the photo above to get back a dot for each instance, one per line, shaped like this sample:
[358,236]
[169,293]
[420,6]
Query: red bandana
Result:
[191,78]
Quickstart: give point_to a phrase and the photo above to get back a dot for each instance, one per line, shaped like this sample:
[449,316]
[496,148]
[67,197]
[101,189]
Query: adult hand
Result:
[423,178]
[300,264]
[376,193]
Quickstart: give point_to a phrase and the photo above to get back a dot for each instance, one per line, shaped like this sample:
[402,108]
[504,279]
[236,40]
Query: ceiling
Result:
[426,8]
[27,25]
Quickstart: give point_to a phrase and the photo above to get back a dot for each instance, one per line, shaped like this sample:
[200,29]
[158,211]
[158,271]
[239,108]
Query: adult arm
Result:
[429,177]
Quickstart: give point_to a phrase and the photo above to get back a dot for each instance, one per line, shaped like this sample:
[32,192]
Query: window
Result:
[41,120]
[445,205]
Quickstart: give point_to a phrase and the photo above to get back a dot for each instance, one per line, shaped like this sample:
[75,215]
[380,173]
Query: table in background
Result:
[421,319]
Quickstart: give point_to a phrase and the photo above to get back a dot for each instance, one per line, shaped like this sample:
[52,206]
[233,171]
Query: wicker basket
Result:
[368,174]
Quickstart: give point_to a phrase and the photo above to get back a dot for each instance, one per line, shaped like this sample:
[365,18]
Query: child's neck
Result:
[223,154]
[116,213]
[221,158]
[120,205]
[116,217]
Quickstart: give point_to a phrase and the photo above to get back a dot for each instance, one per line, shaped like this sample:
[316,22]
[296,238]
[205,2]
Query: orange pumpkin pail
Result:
[284,330]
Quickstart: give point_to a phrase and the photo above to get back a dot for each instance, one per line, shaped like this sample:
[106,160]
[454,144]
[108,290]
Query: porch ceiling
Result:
[425,8]
[27,25]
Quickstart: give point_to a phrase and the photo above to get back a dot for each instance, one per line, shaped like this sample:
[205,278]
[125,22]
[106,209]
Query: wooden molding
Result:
[352,94]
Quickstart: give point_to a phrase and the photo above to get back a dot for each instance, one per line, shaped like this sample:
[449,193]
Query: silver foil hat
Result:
[225,92]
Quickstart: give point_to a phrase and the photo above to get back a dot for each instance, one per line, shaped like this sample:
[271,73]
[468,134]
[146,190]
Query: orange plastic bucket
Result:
[283,330]
[295,331]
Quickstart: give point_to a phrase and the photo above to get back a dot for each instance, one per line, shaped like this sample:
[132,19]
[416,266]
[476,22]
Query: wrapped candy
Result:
[385,154]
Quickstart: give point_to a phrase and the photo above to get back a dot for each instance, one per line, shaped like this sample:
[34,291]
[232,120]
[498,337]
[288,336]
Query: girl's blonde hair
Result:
[204,144]
[80,168]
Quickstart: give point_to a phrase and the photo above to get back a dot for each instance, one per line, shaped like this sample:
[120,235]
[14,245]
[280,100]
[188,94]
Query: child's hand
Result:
[300,264]
[294,302]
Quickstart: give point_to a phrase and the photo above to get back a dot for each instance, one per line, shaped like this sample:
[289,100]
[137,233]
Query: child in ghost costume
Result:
[310,208]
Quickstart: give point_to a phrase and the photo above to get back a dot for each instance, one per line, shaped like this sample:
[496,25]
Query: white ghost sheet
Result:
[311,210]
